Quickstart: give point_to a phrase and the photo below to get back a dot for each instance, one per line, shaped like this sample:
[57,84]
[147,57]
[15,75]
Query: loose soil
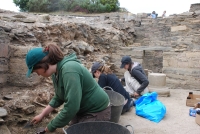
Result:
[176,121]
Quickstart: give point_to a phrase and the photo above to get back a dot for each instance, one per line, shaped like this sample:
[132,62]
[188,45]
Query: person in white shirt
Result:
[132,84]
[164,14]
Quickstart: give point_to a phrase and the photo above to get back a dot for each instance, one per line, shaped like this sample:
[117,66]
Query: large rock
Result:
[28,20]
[187,13]
[6,28]
[178,28]
[19,16]
[1,121]
[89,49]
[4,129]
[3,112]
[44,18]
[83,46]
[2,103]
[29,109]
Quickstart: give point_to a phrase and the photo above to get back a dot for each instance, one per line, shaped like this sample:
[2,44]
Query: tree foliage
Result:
[22,4]
[89,6]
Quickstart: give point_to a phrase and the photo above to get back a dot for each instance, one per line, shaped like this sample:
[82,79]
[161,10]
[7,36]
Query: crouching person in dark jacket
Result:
[107,79]
[136,71]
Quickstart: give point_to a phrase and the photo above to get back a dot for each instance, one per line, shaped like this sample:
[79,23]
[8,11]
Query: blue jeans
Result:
[128,105]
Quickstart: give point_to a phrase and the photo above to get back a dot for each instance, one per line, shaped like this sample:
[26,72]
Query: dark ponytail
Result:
[54,56]
[130,67]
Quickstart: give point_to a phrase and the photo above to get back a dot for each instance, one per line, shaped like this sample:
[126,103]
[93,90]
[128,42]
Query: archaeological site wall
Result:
[170,45]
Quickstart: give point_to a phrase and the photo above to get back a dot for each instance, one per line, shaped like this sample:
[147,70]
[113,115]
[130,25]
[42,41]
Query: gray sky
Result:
[147,6]
[135,6]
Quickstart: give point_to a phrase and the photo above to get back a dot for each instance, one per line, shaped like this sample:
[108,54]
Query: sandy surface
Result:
[176,121]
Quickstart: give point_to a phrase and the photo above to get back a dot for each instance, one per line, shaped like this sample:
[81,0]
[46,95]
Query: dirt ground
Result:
[176,121]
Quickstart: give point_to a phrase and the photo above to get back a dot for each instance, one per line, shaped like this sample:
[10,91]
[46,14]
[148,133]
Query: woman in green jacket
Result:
[83,98]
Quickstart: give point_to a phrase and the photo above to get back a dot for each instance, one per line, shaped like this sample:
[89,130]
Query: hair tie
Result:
[46,49]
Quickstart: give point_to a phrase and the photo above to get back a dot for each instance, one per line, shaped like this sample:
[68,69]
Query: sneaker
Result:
[132,103]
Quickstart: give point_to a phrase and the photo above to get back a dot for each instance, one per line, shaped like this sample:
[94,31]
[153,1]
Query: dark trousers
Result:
[127,106]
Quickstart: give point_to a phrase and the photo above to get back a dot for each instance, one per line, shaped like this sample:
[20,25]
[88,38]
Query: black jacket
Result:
[112,81]
[138,73]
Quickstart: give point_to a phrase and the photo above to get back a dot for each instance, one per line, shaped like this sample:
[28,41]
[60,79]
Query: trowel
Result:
[40,130]
[28,125]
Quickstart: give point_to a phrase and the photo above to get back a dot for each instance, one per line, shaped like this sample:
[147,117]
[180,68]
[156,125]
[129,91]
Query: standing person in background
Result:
[136,71]
[83,98]
[153,15]
[164,14]
[107,79]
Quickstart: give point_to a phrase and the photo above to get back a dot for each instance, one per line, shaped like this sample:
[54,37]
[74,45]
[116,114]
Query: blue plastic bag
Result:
[150,108]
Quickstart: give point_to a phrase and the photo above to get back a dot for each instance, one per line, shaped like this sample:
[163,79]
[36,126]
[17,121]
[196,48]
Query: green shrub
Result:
[22,4]
[92,6]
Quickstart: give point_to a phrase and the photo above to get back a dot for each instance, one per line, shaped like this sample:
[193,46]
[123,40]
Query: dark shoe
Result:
[134,103]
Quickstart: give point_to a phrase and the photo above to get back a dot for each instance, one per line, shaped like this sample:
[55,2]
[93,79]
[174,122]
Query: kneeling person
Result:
[107,79]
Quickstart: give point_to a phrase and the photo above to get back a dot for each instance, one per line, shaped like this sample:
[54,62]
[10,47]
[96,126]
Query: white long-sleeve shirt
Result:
[132,84]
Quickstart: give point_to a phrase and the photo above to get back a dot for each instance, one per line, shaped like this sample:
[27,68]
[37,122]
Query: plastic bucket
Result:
[102,127]
[117,104]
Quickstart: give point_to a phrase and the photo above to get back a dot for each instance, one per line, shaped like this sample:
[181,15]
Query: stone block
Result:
[3,68]
[195,21]
[169,55]
[22,81]
[135,45]
[137,60]
[44,18]
[197,12]
[3,50]
[29,109]
[3,64]
[165,63]
[173,62]
[20,51]
[187,13]
[17,66]
[157,79]
[129,51]
[162,92]
[194,72]
[192,54]
[3,79]
[178,28]
[183,64]
[4,129]
[194,64]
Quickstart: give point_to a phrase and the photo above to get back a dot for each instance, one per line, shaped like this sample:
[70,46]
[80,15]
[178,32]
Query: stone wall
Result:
[153,60]
[4,56]
[177,41]
[23,31]
[194,7]
[169,45]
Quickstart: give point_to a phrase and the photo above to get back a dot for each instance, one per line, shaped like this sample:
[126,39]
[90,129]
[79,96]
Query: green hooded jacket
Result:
[76,88]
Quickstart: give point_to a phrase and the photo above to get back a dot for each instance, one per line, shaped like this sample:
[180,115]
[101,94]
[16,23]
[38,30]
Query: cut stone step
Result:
[162,92]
